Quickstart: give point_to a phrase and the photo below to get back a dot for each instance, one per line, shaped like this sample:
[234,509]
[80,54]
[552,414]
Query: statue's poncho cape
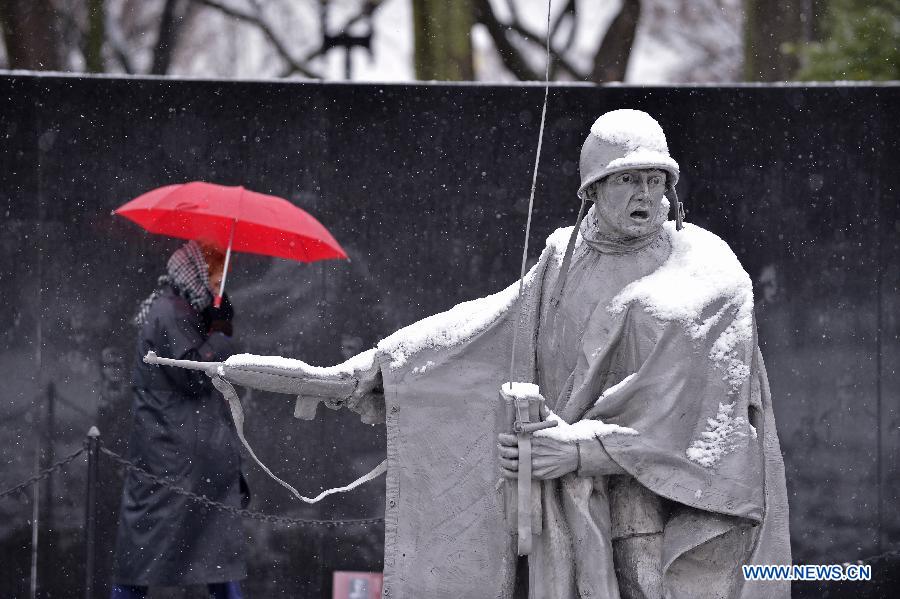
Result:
[680,368]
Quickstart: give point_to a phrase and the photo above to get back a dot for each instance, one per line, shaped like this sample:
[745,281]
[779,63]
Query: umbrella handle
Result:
[217,301]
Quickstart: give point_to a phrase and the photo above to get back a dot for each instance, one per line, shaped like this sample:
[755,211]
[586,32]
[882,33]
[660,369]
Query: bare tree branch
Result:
[367,10]
[570,39]
[72,32]
[513,10]
[512,58]
[611,59]
[542,42]
[117,43]
[294,65]
[569,10]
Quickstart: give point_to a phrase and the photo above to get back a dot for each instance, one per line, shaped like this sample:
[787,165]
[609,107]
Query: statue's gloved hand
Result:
[367,399]
[550,458]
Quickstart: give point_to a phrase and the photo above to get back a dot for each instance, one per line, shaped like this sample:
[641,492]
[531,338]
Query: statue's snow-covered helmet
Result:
[621,140]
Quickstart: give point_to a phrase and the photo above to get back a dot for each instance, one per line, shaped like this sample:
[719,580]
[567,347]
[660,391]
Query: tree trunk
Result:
[611,61]
[31,34]
[3,27]
[768,26]
[169,24]
[443,39]
[96,33]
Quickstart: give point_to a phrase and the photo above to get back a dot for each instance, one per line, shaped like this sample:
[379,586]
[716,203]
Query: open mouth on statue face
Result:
[640,215]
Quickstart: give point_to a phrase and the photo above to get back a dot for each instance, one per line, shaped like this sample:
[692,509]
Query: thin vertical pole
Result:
[90,511]
[35,513]
[50,453]
[879,432]
[39,354]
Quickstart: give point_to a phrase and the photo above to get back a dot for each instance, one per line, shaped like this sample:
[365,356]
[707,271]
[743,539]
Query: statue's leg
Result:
[638,519]
[638,562]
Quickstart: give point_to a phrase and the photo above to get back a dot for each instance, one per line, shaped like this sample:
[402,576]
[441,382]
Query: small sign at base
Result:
[357,585]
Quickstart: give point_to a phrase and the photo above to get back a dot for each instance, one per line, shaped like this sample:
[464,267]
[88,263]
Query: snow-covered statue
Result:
[663,475]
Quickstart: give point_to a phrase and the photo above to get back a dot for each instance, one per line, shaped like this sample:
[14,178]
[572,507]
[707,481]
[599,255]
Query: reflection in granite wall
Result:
[426,188]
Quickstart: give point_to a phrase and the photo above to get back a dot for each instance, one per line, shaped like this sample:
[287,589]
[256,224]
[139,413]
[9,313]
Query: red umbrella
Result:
[233,218]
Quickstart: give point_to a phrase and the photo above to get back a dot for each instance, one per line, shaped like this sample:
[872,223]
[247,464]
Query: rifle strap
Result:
[523,516]
[556,297]
[237,414]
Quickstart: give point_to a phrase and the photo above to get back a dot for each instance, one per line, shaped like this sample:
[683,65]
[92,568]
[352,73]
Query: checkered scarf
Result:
[188,274]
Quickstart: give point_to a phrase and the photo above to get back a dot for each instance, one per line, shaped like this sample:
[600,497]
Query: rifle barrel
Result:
[210,368]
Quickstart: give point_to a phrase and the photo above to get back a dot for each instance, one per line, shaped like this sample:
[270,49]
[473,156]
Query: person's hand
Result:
[550,458]
[225,311]
[219,319]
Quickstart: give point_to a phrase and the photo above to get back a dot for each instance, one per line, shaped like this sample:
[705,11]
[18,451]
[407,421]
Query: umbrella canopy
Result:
[248,221]
[233,219]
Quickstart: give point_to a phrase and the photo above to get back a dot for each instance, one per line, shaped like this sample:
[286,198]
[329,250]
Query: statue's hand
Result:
[508,447]
[550,458]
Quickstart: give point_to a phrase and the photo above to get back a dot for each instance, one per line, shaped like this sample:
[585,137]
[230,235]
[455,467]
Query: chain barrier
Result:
[201,499]
[241,512]
[46,472]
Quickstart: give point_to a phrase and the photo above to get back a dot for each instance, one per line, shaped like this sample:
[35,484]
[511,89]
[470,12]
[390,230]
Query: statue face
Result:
[629,203]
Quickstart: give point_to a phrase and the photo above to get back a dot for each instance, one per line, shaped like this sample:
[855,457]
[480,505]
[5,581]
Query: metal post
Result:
[35,513]
[50,455]
[90,516]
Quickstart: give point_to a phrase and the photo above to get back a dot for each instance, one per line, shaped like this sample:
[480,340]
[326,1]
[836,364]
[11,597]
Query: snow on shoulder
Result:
[463,321]
[447,329]
[701,270]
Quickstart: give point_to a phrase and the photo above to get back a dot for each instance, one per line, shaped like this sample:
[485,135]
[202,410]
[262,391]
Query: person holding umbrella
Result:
[182,431]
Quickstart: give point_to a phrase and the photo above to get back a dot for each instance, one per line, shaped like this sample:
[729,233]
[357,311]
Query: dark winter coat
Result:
[181,430]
